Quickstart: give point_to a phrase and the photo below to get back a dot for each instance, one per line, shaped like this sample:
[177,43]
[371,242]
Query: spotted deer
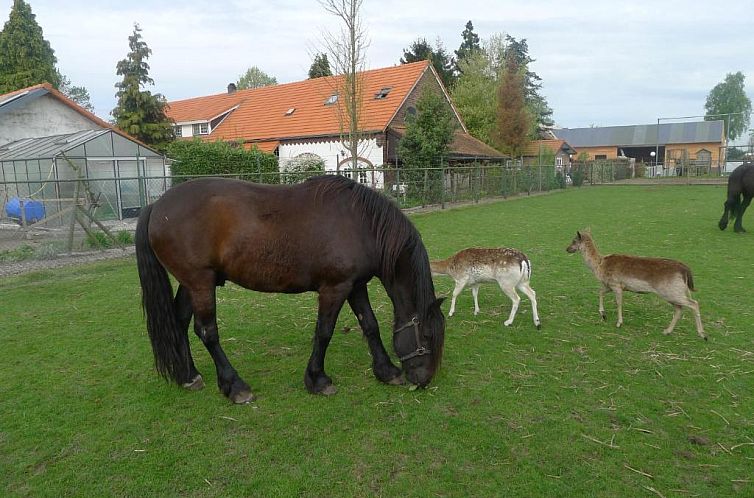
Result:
[668,278]
[510,268]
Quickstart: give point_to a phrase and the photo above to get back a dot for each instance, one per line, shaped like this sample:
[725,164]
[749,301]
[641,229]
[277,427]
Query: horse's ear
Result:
[437,303]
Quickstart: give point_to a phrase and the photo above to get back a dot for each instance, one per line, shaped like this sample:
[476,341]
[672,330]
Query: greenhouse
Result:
[112,175]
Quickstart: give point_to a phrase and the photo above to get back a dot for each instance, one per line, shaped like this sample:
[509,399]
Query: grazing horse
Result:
[740,185]
[668,278]
[329,235]
[510,268]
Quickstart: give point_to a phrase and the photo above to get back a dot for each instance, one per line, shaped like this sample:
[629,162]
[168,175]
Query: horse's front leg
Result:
[382,367]
[331,300]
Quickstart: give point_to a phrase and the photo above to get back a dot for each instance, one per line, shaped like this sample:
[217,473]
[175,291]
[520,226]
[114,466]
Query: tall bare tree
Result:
[347,51]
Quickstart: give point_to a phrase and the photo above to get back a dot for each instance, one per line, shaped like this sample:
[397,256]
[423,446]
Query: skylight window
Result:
[290,111]
[382,93]
[331,99]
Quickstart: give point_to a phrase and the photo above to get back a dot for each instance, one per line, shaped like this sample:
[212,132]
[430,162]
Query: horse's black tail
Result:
[169,344]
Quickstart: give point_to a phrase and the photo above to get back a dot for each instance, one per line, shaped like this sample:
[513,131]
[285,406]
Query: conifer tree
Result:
[26,58]
[513,120]
[469,45]
[320,67]
[138,112]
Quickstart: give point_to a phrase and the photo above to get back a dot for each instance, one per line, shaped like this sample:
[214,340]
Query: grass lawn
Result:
[579,408]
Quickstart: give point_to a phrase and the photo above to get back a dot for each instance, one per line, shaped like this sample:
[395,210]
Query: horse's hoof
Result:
[328,390]
[196,384]
[242,398]
[397,381]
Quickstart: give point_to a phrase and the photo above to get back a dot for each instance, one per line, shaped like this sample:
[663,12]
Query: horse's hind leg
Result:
[183,313]
[331,300]
[382,367]
[205,326]
[738,225]
[728,207]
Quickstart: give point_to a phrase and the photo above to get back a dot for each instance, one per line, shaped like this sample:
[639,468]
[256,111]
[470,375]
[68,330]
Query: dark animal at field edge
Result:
[740,192]
[329,235]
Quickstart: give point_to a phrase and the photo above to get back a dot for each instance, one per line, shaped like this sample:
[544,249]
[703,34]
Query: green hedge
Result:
[194,157]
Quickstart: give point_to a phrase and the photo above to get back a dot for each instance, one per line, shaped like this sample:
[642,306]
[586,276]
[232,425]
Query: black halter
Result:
[420,350]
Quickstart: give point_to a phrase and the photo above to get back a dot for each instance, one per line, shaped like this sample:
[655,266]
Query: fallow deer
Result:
[510,268]
[668,278]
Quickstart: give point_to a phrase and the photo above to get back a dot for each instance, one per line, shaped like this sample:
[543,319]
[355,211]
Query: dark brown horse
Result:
[740,192]
[328,234]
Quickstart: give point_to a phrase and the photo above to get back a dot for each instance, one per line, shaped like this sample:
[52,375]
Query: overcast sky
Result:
[602,62]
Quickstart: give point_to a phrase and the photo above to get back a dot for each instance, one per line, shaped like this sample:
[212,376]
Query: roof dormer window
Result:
[290,111]
[200,129]
[382,93]
[331,99]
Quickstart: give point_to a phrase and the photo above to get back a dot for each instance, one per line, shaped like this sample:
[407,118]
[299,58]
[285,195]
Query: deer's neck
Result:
[592,257]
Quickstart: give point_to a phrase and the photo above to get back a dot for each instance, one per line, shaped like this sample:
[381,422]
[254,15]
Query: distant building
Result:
[560,150]
[702,142]
[300,119]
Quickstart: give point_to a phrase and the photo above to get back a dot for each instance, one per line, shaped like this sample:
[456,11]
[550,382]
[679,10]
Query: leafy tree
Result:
[420,50]
[138,112]
[426,143]
[320,66]
[78,94]
[255,78]
[474,95]
[536,103]
[729,97]
[513,120]
[469,45]
[26,58]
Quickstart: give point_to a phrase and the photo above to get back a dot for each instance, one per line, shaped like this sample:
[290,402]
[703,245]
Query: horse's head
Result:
[419,344]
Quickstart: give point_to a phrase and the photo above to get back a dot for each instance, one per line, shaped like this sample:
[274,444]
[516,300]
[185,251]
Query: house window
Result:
[200,129]
[600,156]
[559,161]
[178,130]
[331,99]
[382,93]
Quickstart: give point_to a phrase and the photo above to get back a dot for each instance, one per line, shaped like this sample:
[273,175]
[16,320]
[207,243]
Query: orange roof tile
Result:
[261,114]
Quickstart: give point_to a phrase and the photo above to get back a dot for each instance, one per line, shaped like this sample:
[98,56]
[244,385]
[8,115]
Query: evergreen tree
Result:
[513,120]
[320,66]
[255,78]
[426,143]
[420,50]
[139,113]
[469,45]
[26,58]
[536,103]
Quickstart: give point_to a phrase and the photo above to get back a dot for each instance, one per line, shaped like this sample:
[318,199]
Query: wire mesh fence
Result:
[56,216]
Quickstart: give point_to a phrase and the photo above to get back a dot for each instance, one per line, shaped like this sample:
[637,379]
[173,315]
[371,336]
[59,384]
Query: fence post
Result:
[442,184]
[424,190]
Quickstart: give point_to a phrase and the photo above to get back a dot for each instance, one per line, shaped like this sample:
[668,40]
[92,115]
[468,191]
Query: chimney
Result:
[232,88]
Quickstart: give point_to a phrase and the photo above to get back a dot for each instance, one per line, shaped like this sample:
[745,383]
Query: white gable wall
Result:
[333,152]
[42,117]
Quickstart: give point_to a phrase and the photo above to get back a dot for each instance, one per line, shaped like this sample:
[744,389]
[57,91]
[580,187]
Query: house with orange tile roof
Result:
[301,119]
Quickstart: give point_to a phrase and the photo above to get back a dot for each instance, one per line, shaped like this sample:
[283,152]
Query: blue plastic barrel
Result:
[33,210]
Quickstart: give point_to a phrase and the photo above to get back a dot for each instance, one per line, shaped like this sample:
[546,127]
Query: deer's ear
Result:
[578,235]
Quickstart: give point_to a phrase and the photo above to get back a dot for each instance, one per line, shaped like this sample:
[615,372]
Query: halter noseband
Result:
[420,350]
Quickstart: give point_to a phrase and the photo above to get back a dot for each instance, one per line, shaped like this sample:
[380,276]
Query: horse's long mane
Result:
[393,231]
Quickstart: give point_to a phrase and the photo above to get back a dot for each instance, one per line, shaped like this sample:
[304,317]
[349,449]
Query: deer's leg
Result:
[603,290]
[460,284]
[475,293]
[676,315]
[619,304]
[690,303]
[526,289]
[515,300]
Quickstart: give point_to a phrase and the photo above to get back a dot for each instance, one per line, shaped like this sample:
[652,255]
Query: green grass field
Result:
[579,408]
